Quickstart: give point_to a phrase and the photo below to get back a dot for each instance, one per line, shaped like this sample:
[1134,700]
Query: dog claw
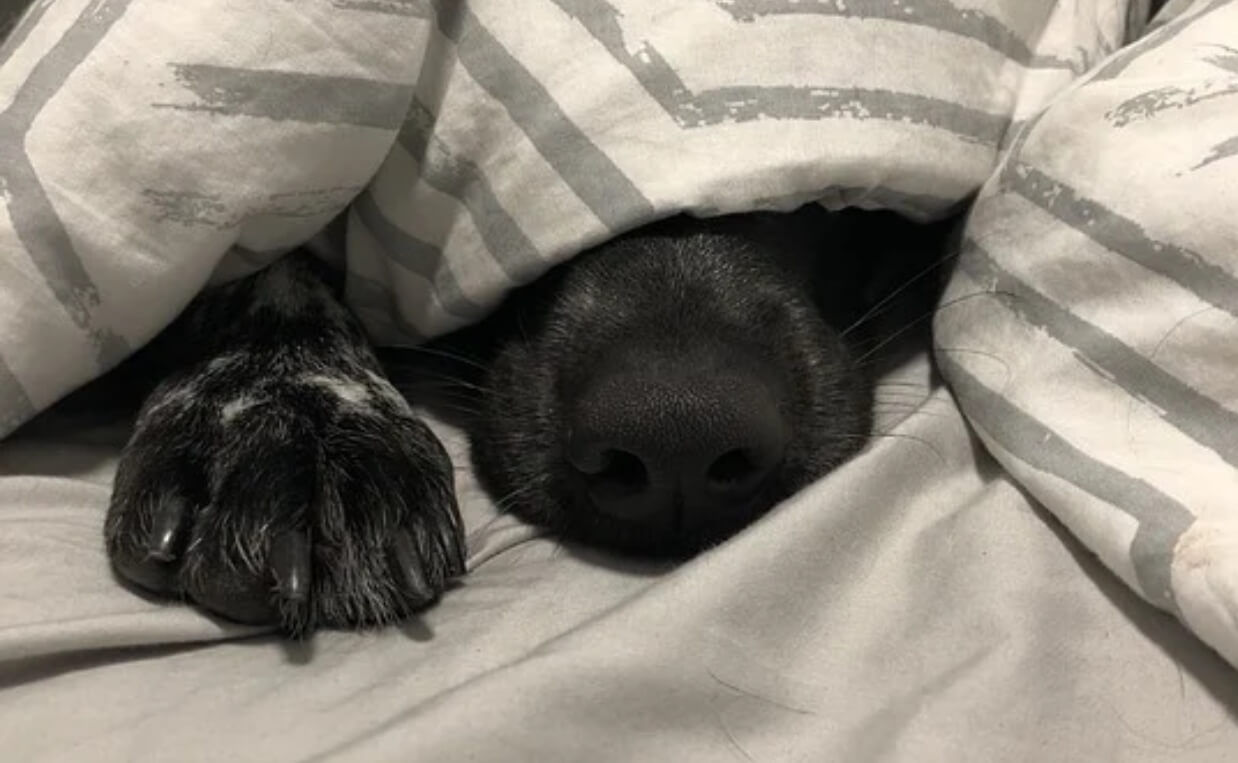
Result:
[166,530]
[455,553]
[290,563]
[410,568]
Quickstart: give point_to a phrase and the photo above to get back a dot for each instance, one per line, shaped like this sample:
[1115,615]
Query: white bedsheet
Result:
[914,605]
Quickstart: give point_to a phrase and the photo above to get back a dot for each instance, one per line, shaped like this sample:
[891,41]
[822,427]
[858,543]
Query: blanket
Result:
[1090,329]
[463,148]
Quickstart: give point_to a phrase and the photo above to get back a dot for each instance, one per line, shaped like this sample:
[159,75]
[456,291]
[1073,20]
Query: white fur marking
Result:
[235,407]
[386,389]
[177,397]
[224,362]
[347,390]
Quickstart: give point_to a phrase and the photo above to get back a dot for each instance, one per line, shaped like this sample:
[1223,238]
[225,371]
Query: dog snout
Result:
[676,448]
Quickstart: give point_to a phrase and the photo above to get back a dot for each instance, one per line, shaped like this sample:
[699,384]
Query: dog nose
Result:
[681,450]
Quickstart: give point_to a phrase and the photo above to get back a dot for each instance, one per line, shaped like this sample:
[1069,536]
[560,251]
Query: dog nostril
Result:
[732,469]
[619,483]
[620,471]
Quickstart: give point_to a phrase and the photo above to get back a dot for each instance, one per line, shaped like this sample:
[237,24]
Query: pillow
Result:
[148,146]
[1090,332]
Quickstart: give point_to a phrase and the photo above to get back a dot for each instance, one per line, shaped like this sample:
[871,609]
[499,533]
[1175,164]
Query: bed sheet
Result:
[914,605]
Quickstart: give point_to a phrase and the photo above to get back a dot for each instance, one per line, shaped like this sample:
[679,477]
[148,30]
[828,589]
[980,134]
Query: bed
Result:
[1035,559]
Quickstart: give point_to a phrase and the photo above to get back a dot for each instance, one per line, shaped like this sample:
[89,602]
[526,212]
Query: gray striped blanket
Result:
[148,148]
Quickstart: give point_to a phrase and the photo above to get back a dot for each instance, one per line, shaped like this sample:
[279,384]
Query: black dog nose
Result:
[677,448]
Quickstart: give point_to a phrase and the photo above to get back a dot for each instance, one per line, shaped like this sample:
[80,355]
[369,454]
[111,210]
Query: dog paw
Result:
[304,499]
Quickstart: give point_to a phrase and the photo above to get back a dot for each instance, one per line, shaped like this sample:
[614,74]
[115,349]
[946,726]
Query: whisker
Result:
[456,408]
[905,394]
[882,304]
[919,402]
[463,396]
[418,396]
[907,404]
[439,352]
[505,502]
[900,383]
[917,321]
[896,418]
[906,414]
[916,397]
[447,379]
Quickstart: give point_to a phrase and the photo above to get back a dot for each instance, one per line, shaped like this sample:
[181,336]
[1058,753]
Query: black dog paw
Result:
[298,498]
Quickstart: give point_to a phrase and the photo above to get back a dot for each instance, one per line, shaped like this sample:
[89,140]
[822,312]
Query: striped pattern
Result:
[139,154]
[136,150]
[471,155]
[520,149]
[1091,329]
[465,147]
